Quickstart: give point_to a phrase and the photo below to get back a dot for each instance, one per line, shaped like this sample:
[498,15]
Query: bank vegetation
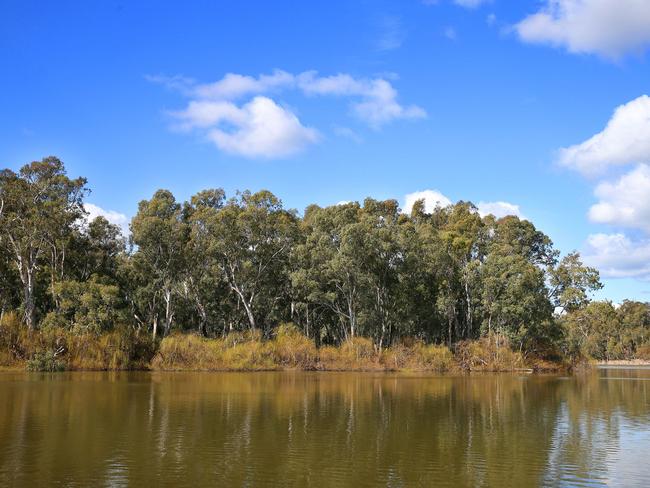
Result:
[242,283]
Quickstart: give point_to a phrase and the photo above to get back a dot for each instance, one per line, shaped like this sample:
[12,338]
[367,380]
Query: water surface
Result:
[324,429]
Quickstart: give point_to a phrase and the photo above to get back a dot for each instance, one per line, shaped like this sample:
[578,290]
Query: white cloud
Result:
[625,202]
[610,28]
[617,256]
[260,128]
[499,209]
[378,104]
[432,199]
[625,140]
[233,86]
[113,217]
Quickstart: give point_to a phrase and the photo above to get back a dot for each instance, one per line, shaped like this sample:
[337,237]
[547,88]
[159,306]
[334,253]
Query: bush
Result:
[46,361]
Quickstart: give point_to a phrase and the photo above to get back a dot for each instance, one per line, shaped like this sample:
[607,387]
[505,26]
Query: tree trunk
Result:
[249,314]
[169,314]
[28,292]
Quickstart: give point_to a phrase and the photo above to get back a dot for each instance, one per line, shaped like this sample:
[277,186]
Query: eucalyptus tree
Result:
[461,231]
[514,296]
[571,283]
[39,207]
[383,256]
[251,238]
[331,272]
[160,234]
[96,250]
[203,280]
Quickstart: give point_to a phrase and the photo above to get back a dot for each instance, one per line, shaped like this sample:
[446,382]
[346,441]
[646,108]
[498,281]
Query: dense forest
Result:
[216,266]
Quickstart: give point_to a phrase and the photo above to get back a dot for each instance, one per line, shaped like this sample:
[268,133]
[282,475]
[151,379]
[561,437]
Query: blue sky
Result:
[507,104]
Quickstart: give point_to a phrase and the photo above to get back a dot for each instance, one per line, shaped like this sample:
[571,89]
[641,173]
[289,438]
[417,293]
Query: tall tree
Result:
[39,206]
[252,237]
[160,234]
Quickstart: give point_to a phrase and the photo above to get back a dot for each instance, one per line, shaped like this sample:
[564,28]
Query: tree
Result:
[39,207]
[571,282]
[251,240]
[203,283]
[330,272]
[160,234]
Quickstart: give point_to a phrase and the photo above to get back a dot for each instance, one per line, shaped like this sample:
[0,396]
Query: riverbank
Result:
[56,349]
[625,362]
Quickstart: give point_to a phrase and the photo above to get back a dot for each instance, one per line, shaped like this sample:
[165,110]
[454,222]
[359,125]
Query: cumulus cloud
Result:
[499,209]
[116,218]
[625,140]
[233,86]
[625,202]
[432,199]
[260,128]
[617,256]
[609,28]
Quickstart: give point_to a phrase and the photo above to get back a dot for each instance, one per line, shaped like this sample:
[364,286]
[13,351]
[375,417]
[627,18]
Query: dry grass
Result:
[355,354]
[489,353]
[643,352]
[55,349]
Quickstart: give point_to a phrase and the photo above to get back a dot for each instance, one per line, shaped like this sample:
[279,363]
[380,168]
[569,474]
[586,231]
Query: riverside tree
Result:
[216,265]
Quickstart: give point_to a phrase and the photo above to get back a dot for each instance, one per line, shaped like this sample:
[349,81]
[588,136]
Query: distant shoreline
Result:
[625,362]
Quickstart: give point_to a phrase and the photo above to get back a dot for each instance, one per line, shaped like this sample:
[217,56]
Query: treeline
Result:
[216,265]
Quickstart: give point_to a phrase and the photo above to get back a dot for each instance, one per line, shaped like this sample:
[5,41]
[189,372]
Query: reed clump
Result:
[354,354]
[292,349]
[491,353]
[235,352]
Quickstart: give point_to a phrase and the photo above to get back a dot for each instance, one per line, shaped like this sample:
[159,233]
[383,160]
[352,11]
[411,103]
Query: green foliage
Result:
[90,306]
[604,332]
[361,286]
[46,361]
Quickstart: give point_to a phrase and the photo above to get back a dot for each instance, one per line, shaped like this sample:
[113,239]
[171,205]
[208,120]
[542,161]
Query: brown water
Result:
[324,429]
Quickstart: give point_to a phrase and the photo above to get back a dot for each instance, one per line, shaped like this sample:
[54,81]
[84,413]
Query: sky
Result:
[535,108]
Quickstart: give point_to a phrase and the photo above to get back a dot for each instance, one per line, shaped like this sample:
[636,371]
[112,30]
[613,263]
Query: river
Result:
[324,429]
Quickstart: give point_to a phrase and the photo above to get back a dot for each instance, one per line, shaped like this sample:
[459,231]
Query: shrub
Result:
[45,361]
